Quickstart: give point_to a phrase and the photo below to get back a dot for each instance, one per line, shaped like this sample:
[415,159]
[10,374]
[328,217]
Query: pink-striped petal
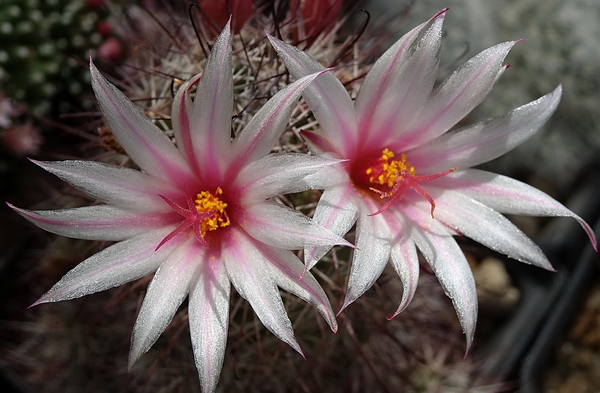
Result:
[456,97]
[208,312]
[246,269]
[166,292]
[181,118]
[118,264]
[280,226]
[373,242]
[486,226]
[404,259]
[213,107]
[260,134]
[100,222]
[485,141]
[320,143]
[277,174]
[337,211]
[399,83]
[118,186]
[448,263]
[287,271]
[147,146]
[328,99]
[508,196]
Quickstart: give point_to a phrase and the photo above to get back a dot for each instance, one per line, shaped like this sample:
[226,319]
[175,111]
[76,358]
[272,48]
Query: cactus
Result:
[45,44]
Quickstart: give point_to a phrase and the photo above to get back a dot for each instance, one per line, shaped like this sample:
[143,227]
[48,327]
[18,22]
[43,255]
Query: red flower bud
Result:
[111,50]
[22,139]
[218,12]
[316,15]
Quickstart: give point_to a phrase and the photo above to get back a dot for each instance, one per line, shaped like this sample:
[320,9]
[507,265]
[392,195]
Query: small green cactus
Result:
[44,47]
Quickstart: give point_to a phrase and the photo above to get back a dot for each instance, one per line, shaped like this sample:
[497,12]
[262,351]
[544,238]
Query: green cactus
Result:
[44,47]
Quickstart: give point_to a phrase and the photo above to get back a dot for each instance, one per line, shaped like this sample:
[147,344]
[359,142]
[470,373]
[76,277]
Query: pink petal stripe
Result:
[118,264]
[327,97]
[405,261]
[456,97]
[388,79]
[277,174]
[449,265]
[486,226]
[118,186]
[282,227]
[260,134]
[484,141]
[288,272]
[373,242]
[180,116]
[100,222]
[213,107]
[245,267]
[208,311]
[322,144]
[144,142]
[337,211]
[166,292]
[508,196]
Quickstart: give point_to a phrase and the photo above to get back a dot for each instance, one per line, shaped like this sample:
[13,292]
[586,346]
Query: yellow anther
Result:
[207,202]
[386,170]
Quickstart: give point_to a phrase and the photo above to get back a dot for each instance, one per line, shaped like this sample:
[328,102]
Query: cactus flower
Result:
[202,214]
[408,182]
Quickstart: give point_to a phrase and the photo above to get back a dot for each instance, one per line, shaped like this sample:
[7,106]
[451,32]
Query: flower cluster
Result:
[203,215]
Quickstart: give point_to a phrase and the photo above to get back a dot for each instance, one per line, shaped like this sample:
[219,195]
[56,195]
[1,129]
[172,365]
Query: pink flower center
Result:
[203,214]
[390,178]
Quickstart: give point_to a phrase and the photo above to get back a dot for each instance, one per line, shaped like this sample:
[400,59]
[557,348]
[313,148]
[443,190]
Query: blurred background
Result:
[537,331]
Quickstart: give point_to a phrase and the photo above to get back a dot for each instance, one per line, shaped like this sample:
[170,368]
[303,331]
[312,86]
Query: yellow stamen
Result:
[388,170]
[398,176]
[207,202]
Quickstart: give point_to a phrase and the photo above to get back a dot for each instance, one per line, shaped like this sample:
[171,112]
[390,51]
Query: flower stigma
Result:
[397,176]
[204,213]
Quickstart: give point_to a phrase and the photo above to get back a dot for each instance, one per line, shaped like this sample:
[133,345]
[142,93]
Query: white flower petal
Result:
[282,227]
[449,265]
[144,142]
[456,96]
[246,269]
[399,83]
[485,141]
[166,292]
[100,222]
[373,242]
[326,96]
[405,261]
[508,196]
[486,226]
[337,211]
[213,107]
[288,272]
[208,311]
[262,131]
[326,177]
[277,174]
[118,264]
[181,118]
[123,187]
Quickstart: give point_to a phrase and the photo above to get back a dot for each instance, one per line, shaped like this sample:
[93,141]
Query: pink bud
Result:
[94,4]
[316,15]
[103,27]
[218,12]
[111,50]
[22,139]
